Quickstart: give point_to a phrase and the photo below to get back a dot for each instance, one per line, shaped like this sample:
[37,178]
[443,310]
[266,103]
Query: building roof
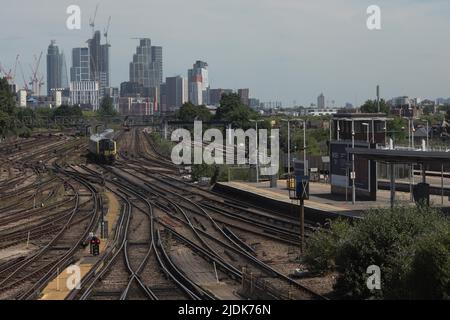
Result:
[361,117]
[401,156]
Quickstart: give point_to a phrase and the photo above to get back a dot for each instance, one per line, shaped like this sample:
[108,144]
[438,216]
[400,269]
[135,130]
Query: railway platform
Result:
[321,200]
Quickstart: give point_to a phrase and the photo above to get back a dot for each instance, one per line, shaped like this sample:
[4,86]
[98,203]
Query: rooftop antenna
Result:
[92,21]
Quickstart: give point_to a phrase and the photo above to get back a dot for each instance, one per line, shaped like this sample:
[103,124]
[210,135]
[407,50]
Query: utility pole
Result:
[302,224]
[378,98]
[353,164]
[257,149]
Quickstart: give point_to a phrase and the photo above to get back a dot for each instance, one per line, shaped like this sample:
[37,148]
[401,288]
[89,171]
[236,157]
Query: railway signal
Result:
[95,246]
[301,193]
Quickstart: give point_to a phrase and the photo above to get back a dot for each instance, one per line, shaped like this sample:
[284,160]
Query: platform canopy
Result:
[401,156]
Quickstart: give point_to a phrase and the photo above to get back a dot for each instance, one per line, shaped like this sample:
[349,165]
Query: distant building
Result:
[198,83]
[244,95]
[404,107]
[57,98]
[176,93]
[22,97]
[99,62]
[317,112]
[321,101]
[56,65]
[146,69]
[215,95]
[80,70]
[157,66]
[135,106]
[133,89]
[253,103]
[113,93]
[85,94]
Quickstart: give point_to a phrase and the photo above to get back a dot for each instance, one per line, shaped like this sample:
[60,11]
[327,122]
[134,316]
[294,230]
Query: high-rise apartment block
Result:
[56,69]
[175,92]
[321,101]
[99,62]
[198,83]
[244,95]
[146,69]
[81,67]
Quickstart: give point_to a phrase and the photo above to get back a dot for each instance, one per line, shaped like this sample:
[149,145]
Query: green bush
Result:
[430,270]
[322,247]
[410,245]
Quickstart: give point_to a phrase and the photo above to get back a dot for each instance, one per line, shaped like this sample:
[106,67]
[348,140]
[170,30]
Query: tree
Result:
[232,110]
[7,101]
[398,129]
[189,113]
[67,111]
[5,123]
[371,106]
[107,107]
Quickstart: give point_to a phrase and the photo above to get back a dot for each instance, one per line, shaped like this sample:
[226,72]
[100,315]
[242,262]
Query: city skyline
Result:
[326,48]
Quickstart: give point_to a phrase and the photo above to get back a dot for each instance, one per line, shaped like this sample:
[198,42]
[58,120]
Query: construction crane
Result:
[25,84]
[107,30]
[92,21]
[35,81]
[11,74]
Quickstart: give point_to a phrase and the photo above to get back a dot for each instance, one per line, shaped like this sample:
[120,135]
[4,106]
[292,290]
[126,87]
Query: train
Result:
[102,147]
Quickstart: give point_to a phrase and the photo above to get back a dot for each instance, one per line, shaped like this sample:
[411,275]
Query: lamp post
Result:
[428,130]
[289,145]
[304,140]
[353,175]
[257,149]
[365,124]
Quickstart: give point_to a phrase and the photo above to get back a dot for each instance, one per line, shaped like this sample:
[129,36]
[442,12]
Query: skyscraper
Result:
[146,68]
[157,66]
[321,101]
[81,67]
[99,61]
[198,83]
[83,91]
[175,92]
[55,68]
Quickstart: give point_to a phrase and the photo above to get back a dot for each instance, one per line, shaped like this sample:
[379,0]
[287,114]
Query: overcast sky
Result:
[281,49]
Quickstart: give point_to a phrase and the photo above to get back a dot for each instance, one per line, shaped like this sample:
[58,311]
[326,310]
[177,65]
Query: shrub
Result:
[430,270]
[322,247]
[410,245]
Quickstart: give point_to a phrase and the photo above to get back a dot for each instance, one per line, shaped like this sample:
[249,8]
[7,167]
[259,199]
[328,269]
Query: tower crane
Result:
[35,81]
[25,84]
[92,21]
[107,30]
[11,74]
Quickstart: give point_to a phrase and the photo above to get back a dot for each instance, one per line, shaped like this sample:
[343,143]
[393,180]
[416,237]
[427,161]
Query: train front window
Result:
[107,145]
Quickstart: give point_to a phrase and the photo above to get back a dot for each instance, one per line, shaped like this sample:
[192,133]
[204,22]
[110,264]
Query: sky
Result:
[283,50]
